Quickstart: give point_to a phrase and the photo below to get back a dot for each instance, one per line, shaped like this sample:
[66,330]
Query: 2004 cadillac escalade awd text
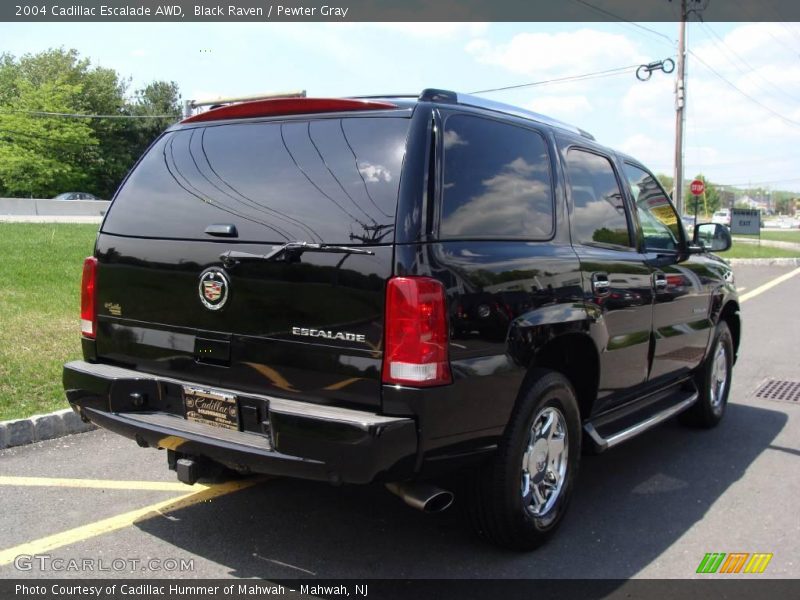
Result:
[390,289]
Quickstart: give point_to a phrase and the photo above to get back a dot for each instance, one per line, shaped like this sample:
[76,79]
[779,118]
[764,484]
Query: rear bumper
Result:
[295,439]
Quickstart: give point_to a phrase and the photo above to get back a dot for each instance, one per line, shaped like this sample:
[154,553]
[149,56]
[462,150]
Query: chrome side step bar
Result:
[602,443]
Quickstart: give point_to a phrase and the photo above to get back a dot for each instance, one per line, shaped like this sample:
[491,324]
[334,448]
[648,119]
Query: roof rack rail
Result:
[447,96]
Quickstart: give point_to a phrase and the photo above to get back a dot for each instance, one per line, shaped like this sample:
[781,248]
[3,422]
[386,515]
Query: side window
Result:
[497,181]
[598,215]
[657,216]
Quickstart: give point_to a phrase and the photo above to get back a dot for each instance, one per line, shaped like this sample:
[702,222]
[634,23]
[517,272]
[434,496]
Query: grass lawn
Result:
[39,312]
[790,235]
[745,250]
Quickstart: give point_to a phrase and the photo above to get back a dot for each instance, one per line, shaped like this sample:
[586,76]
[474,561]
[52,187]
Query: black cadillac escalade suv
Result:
[389,289]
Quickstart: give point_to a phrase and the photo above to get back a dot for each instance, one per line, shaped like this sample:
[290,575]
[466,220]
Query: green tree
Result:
[42,155]
[666,181]
[155,100]
[708,203]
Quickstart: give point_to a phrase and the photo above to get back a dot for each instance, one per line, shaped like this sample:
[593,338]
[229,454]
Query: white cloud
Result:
[654,151]
[728,136]
[562,53]
[374,173]
[561,107]
[649,100]
[509,198]
[452,139]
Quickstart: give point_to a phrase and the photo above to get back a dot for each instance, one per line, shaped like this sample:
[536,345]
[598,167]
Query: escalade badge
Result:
[213,289]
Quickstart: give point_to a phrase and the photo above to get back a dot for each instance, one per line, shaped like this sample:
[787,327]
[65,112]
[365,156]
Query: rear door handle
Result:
[660,280]
[600,284]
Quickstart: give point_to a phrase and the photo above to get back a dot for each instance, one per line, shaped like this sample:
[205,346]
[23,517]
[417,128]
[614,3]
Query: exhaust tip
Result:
[422,496]
[439,502]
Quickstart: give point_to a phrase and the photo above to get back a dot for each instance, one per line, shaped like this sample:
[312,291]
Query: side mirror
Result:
[712,237]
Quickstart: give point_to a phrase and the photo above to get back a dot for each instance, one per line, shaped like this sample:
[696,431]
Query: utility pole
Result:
[680,107]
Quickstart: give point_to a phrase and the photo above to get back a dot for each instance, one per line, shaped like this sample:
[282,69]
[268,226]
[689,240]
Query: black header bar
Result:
[394,10]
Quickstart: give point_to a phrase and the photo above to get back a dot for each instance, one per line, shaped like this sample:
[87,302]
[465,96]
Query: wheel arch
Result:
[575,356]
[730,314]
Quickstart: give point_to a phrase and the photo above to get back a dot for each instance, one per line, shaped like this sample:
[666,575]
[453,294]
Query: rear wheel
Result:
[713,381]
[520,497]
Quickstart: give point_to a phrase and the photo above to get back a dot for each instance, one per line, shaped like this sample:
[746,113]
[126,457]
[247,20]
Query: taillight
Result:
[88,308]
[415,344]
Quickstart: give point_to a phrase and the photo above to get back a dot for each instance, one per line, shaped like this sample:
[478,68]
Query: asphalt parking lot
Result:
[650,508]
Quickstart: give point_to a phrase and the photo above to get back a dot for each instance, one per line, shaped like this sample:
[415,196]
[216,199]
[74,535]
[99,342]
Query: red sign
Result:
[698,187]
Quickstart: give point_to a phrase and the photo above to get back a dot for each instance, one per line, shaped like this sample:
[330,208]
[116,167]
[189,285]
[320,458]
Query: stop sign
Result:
[698,187]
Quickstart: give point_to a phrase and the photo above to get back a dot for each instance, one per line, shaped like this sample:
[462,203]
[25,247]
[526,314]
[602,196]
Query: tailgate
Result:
[311,329]
[307,325]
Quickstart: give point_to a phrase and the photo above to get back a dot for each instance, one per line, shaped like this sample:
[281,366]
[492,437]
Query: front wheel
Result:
[713,380]
[521,496]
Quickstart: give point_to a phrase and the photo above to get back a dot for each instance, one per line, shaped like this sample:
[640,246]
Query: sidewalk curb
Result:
[769,243]
[782,262]
[37,428]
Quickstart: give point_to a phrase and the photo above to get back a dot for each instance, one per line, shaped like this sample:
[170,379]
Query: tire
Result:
[499,508]
[713,380]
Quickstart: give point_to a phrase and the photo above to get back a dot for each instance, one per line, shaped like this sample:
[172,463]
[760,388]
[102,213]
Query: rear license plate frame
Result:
[211,407]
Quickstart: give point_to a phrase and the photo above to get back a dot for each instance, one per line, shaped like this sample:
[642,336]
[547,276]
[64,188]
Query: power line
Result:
[749,161]
[743,93]
[753,183]
[606,13]
[41,113]
[43,137]
[582,77]
[780,21]
[748,66]
[745,6]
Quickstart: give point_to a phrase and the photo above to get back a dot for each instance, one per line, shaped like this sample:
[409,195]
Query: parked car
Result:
[394,289]
[75,196]
[723,217]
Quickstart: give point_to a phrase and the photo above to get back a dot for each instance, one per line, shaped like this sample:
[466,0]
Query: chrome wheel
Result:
[544,462]
[719,377]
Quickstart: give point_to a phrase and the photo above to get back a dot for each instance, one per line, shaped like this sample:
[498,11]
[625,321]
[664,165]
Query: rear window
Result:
[323,180]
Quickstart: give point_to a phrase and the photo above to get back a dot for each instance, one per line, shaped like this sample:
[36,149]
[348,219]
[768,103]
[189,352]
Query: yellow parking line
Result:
[127,519]
[105,484]
[768,285]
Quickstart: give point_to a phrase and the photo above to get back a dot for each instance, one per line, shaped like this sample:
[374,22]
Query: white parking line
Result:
[769,285]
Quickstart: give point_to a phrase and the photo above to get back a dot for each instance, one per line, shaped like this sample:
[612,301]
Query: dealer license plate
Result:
[211,408]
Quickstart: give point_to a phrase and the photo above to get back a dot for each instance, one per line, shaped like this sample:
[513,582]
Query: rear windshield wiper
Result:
[290,250]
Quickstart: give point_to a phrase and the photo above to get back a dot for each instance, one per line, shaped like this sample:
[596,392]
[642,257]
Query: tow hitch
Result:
[190,469]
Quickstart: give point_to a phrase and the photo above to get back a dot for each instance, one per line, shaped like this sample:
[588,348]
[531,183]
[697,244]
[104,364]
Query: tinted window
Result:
[658,219]
[325,180]
[496,181]
[598,215]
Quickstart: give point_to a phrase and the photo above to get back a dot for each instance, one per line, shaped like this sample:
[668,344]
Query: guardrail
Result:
[53,208]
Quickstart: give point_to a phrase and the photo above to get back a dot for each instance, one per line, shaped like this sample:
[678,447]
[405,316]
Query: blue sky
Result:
[733,136]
